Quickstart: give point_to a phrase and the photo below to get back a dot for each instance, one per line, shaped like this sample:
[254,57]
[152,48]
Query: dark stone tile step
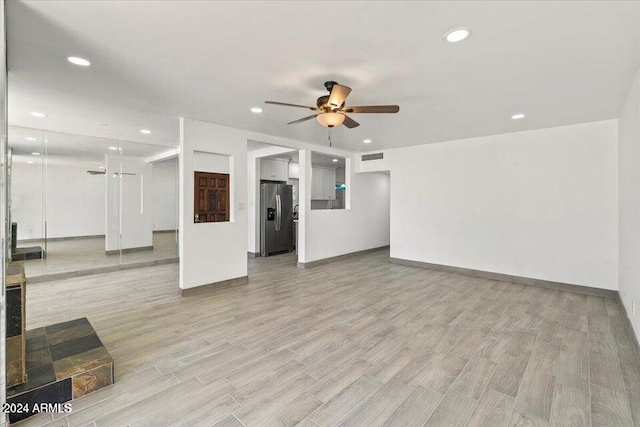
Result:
[36,341]
[66,325]
[57,392]
[64,361]
[76,346]
[14,312]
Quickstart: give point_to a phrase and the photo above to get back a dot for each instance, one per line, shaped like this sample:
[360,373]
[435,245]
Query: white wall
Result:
[216,251]
[629,201]
[212,163]
[540,204]
[166,188]
[164,213]
[373,165]
[75,200]
[132,189]
[27,201]
[363,225]
[328,233]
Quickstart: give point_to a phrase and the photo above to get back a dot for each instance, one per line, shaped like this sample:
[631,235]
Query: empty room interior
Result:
[320,213]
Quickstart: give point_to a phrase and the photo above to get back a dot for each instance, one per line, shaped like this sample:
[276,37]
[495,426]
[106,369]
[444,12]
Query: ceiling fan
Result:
[102,172]
[330,109]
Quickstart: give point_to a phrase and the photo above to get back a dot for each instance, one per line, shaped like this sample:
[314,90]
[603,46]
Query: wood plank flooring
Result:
[72,255]
[360,342]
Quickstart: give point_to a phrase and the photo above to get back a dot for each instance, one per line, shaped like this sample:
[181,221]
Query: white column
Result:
[128,203]
[304,201]
[216,251]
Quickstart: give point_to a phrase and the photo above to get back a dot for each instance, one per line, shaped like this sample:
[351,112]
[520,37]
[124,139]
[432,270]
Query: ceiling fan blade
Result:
[285,104]
[372,109]
[338,94]
[349,122]
[304,119]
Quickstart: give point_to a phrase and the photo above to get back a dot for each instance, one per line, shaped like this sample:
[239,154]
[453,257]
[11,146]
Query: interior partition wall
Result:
[212,252]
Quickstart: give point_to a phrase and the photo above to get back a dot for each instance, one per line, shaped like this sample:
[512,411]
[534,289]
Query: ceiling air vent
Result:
[374,156]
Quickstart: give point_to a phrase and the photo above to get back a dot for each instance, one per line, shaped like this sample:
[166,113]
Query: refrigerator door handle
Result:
[278,212]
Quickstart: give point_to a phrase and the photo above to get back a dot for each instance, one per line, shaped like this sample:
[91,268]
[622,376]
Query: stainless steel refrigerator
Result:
[276,219]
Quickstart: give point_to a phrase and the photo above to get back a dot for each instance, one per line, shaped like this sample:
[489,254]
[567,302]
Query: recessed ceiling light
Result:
[30,138]
[113,148]
[367,141]
[102,124]
[30,162]
[37,114]
[517,116]
[145,131]
[335,160]
[256,110]
[35,153]
[457,35]
[78,61]
[100,167]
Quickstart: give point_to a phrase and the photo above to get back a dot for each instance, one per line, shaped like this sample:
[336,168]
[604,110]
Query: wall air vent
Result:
[374,156]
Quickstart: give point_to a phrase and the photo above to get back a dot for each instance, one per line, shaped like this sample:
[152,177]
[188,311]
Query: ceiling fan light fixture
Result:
[331,110]
[330,119]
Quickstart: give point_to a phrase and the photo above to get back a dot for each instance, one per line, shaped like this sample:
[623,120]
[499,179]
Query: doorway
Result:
[273,206]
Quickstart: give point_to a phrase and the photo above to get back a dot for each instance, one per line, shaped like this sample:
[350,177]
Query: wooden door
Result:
[211,197]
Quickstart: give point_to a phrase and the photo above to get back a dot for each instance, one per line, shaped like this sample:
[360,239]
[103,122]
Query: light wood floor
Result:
[360,342]
[66,256]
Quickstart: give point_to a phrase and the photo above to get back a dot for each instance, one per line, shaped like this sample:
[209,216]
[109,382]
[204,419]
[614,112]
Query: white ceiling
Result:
[319,159]
[559,62]
[257,145]
[69,148]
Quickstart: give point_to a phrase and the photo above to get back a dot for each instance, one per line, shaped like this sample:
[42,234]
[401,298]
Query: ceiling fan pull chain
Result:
[329,137]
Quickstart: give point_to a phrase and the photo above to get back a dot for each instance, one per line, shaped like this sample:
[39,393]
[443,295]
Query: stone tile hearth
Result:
[64,361]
